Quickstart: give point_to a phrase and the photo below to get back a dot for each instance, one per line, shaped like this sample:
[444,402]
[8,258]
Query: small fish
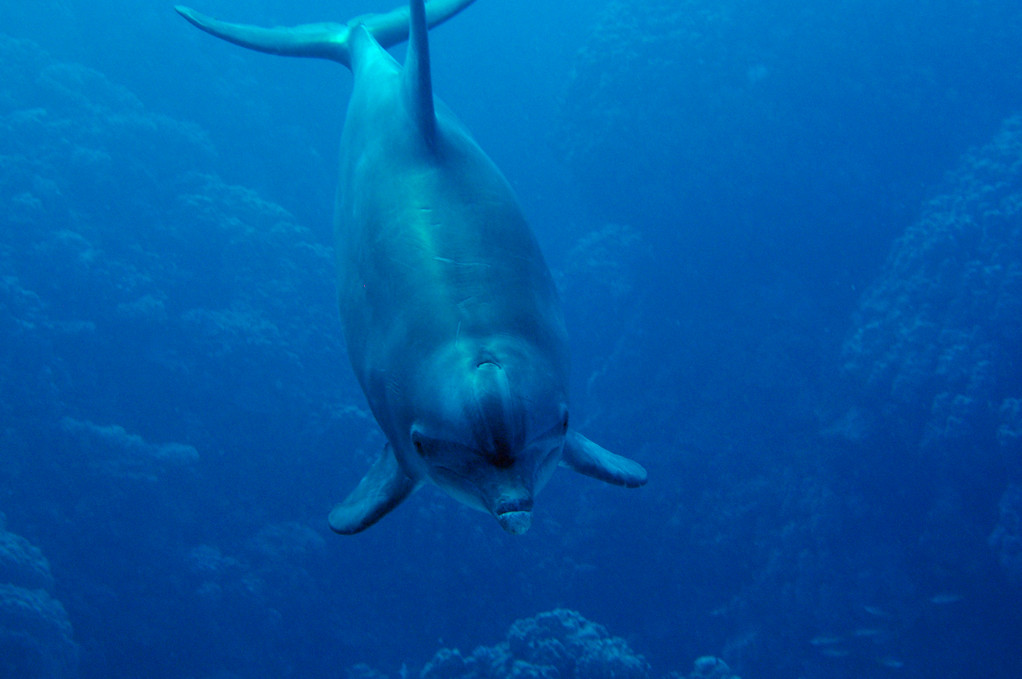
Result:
[876,611]
[945,598]
[890,663]
[868,632]
[825,640]
[834,652]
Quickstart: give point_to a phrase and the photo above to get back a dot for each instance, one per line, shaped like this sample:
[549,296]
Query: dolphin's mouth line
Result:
[447,471]
[512,513]
[515,521]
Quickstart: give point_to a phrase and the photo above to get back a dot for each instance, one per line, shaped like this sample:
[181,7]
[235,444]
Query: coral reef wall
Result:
[933,360]
[558,644]
[937,337]
[36,640]
[149,313]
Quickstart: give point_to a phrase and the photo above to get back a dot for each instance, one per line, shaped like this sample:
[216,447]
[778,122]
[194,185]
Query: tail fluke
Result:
[323,41]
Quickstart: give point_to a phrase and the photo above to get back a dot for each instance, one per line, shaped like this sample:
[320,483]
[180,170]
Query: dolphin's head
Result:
[490,432]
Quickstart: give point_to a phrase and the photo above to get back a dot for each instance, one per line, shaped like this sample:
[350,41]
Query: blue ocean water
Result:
[788,239]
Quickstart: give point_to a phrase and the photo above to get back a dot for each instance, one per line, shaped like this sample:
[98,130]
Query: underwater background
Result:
[788,238]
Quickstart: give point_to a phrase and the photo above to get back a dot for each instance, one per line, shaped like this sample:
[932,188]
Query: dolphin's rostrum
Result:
[452,322]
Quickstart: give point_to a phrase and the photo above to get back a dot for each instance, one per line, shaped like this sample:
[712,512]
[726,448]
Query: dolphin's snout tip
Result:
[514,514]
[515,522]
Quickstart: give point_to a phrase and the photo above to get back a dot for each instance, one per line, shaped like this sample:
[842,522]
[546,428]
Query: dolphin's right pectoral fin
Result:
[384,487]
[587,458]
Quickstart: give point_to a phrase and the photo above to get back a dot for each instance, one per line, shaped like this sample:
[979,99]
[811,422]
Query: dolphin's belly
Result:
[432,248]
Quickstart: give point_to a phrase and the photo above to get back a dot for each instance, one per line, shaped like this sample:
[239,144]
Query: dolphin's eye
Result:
[417,443]
[564,421]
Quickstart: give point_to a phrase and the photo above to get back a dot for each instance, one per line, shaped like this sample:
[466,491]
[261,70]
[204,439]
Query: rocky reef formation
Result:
[558,644]
[36,640]
[136,284]
[933,360]
[1006,540]
[937,336]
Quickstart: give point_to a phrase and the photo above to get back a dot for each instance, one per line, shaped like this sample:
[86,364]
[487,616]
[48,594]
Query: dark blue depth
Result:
[788,238]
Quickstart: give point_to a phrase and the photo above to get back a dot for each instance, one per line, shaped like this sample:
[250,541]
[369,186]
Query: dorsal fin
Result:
[417,81]
[324,41]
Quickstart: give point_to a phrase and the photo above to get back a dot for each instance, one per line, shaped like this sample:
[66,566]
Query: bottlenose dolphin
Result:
[452,322]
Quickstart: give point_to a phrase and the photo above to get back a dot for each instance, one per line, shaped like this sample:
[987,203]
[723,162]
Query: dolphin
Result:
[452,322]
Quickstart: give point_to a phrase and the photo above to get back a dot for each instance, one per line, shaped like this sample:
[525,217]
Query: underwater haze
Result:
[788,241]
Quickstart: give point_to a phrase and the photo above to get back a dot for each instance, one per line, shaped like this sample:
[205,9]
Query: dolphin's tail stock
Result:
[327,40]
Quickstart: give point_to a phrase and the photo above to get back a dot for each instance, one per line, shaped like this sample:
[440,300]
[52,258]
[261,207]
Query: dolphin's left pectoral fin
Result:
[587,458]
[384,487]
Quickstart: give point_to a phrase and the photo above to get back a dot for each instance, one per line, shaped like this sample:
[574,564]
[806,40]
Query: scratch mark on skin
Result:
[448,260]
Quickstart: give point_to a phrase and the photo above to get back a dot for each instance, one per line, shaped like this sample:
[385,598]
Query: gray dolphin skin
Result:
[452,322]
